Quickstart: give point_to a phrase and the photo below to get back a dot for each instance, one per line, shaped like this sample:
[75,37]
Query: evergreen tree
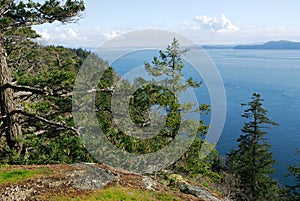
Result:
[163,90]
[294,190]
[16,19]
[46,113]
[252,161]
[167,68]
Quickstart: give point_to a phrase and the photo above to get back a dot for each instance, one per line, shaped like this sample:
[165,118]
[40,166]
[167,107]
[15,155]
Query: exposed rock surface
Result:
[91,177]
[81,179]
[197,191]
[67,178]
[16,193]
[150,184]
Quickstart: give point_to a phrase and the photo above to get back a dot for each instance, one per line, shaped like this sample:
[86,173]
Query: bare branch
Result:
[5,5]
[42,119]
[27,24]
[35,90]
[23,88]
[48,93]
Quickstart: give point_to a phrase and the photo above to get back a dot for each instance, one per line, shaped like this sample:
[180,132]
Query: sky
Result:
[205,22]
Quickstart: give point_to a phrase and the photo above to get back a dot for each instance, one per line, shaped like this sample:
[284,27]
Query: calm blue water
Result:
[275,74]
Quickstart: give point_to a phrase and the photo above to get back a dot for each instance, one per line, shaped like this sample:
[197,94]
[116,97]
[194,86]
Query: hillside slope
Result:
[90,182]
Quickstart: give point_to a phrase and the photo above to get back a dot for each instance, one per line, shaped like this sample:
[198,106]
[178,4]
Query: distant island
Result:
[276,45]
[271,45]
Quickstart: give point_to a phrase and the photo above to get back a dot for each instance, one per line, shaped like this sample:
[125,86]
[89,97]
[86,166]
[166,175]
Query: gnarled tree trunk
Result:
[10,124]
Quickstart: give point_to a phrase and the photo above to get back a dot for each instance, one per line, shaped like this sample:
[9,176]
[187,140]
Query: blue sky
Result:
[205,22]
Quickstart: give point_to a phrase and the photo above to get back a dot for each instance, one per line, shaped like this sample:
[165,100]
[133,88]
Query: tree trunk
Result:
[10,124]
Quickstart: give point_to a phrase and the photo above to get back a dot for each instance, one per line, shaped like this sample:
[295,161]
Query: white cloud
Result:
[222,30]
[213,24]
[58,35]
[75,37]
[111,35]
[205,27]
[65,33]
[201,29]
[71,33]
[44,34]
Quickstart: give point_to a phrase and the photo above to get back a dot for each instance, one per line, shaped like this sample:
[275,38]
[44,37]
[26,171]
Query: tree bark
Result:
[10,124]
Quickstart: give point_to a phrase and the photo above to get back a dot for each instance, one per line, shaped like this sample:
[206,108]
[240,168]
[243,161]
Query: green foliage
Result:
[52,69]
[16,19]
[46,150]
[293,191]
[23,14]
[162,92]
[143,99]
[252,161]
[194,164]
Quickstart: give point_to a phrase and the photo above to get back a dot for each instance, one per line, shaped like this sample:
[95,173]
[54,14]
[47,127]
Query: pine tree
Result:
[252,161]
[46,114]
[294,190]
[16,19]
[167,69]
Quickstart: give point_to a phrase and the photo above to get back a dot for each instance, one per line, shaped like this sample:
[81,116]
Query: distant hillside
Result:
[271,45]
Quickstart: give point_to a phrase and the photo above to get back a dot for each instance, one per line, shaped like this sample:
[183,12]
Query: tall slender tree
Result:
[252,161]
[16,19]
[162,90]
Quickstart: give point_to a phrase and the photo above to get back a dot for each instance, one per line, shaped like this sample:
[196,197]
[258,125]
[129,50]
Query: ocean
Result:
[274,74]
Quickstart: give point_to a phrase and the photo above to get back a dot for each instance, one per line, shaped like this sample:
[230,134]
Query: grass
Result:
[13,176]
[122,194]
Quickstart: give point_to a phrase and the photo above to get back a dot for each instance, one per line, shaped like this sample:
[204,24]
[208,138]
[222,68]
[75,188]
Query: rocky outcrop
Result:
[74,178]
[83,178]
[197,191]
[91,177]
[16,193]
[150,184]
